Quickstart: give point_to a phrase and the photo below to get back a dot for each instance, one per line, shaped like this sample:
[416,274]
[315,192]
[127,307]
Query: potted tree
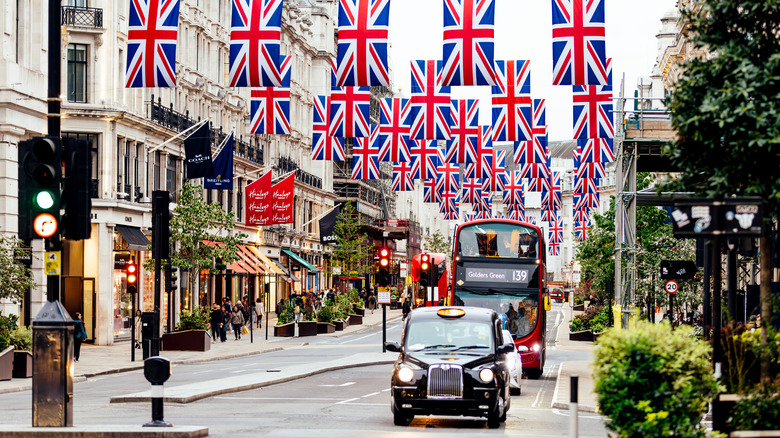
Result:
[191,333]
[285,322]
[21,339]
[308,324]
[325,319]
[356,311]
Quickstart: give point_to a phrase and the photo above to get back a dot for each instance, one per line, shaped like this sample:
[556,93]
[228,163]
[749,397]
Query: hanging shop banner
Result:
[282,198]
[328,227]
[258,205]
[197,149]
[222,178]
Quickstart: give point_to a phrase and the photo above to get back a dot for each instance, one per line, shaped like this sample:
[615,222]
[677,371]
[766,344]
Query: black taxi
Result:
[452,362]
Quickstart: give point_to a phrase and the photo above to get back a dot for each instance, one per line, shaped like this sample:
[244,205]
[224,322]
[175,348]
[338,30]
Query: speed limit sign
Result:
[671,286]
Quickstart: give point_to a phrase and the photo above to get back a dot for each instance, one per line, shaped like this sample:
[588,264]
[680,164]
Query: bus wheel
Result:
[534,373]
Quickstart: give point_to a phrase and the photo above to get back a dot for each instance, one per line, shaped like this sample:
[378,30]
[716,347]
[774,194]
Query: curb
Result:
[580,408]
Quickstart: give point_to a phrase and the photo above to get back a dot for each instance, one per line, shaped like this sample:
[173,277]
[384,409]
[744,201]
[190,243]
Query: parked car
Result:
[452,361]
[514,364]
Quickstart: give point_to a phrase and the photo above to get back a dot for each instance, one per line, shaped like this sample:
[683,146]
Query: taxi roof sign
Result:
[450,312]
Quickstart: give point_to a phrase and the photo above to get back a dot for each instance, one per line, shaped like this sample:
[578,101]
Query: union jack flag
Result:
[430,115]
[590,170]
[596,150]
[499,216]
[464,133]
[481,166]
[586,185]
[592,112]
[517,215]
[452,215]
[493,171]
[553,249]
[577,152]
[513,189]
[449,175]
[529,152]
[365,156]
[531,219]
[428,154]
[255,34]
[582,216]
[578,42]
[555,232]
[392,125]
[485,201]
[362,44]
[271,105]
[512,103]
[349,112]
[535,171]
[151,43]
[472,190]
[550,215]
[450,201]
[403,177]
[324,147]
[587,201]
[581,230]
[539,128]
[431,193]
[552,197]
[468,42]
[537,184]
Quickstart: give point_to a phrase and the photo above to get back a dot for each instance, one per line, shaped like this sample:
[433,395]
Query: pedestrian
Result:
[226,302]
[79,335]
[260,312]
[371,301]
[237,321]
[138,332]
[406,308]
[298,307]
[215,320]
[224,324]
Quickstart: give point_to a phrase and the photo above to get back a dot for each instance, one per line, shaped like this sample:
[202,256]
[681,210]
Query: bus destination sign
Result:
[495,275]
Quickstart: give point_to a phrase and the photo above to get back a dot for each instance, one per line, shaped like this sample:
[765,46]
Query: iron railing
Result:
[81,16]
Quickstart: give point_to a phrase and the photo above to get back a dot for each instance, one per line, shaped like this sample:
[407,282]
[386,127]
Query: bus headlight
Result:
[405,374]
[486,375]
[535,347]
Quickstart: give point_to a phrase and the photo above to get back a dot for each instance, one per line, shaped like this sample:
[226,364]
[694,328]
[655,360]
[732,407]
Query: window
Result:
[156,170]
[170,175]
[77,73]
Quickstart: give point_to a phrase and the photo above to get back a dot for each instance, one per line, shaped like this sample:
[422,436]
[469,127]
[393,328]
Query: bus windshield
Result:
[498,240]
[518,311]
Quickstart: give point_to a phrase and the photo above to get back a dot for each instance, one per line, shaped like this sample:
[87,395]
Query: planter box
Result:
[325,327]
[7,363]
[307,328]
[23,361]
[187,340]
[585,335]
[285,330]
[340,324]
[395,305]
[579,307]
[355,319]
[358,311]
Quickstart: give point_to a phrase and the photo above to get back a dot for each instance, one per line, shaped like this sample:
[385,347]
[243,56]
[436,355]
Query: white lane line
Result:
[277,398]
[386,390]
[339,386]
[565,413]
[370,395]
[348,400]
[365,404]
[357,339]
[557,384]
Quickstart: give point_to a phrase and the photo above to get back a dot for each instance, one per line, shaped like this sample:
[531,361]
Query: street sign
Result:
[709,217]
[383,295]
[52,265]
[671,286]
[677,270]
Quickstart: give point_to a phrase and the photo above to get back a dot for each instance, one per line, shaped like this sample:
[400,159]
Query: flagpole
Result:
[261,169]
[285,176]
[318,216]
[222,145]
[186,131]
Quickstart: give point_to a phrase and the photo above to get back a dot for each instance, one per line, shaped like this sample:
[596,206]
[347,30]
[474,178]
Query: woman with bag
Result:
[79,335]
[260,312]
[237,321]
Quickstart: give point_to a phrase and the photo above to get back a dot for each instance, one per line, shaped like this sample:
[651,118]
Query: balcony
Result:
[287,165]
[83,17]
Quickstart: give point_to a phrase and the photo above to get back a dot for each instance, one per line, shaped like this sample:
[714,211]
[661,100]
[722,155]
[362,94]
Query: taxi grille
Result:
[445,381]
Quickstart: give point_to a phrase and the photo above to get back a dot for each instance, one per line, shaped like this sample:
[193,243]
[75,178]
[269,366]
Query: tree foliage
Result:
[353,248]
[16,277]
[436,243]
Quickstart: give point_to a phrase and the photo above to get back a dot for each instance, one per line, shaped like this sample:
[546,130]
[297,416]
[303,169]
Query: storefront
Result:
[299,264]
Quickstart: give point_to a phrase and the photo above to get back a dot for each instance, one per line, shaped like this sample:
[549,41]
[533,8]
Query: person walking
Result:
[260,312]
[406,308]
[79,335]
[237,321]
[225,323]
[215,320]
[138,332]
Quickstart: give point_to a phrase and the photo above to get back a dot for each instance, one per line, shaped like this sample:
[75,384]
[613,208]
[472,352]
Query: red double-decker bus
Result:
[500,264]
[432,283]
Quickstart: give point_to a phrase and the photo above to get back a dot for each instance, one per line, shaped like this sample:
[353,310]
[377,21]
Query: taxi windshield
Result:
[449,335]
[503,240]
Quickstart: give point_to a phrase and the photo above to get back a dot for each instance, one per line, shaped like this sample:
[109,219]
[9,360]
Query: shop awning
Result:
[270,267]
[249,257]
[301,261]
[286,271]
[136,240]
[240,266]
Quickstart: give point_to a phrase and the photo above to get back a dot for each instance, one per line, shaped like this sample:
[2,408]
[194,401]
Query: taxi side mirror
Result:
[505,348]
[547,305]
[395,347]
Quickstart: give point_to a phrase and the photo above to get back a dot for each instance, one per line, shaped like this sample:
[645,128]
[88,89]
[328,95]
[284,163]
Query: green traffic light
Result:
[44,200]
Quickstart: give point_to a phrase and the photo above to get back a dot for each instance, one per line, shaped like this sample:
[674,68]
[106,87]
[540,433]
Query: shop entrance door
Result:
[78,295]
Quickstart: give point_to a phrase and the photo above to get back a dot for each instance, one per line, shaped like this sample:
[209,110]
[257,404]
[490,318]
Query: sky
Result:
[523,31]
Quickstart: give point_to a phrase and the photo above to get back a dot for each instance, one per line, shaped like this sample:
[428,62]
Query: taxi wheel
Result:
[494,419]
[402,419]
[514,391]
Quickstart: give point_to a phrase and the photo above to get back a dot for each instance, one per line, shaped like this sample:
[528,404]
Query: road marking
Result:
[276,398]
[565,413]
[362,337]
[348,400]
[369,395]
[343,384]
[557,384]
[365,404]
[386,390]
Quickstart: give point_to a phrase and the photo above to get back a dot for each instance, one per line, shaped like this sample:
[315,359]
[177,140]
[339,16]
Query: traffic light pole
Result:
[54,243]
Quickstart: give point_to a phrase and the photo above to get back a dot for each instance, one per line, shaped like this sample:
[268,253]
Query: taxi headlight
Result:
[536,347]
[405,374]
[486,375]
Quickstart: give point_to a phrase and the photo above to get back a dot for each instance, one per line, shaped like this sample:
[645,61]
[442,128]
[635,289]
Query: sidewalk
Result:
[100,360]
[587,399]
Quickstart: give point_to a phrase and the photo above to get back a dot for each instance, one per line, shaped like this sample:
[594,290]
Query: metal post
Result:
[133,340]
[384,327]
[573,409]
[717,318]
[731,279]
[155,340]
[707,309]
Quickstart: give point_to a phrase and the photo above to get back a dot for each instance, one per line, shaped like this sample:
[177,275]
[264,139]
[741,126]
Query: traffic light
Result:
[161,229]
[170,279]
[132,277]
[40,175]
[383,279]
[425,269]
[76,199]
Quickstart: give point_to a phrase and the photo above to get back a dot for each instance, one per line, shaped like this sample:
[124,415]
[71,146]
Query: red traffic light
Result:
[425,262]
[132,273]
[384,252]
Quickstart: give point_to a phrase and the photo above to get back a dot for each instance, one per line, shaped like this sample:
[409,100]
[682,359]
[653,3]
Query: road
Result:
[352,402]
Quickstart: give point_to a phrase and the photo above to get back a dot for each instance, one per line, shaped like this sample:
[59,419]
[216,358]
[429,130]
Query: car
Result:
[452,361]
[514,364]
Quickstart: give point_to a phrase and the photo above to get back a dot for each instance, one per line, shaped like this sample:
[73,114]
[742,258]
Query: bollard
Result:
[157,370]
[573,410]
[52,384]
